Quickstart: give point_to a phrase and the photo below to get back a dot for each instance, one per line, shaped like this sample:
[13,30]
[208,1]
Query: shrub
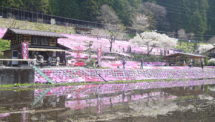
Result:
[211,62]
[4,45]
[186,46]
[90,63]
[146,58]
[1,54]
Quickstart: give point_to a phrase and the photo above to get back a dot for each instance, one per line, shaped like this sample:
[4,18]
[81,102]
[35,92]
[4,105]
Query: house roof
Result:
[185,54]
[35,33]
[210,50]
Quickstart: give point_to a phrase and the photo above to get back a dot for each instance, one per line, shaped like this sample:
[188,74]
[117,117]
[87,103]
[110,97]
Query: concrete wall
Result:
[16,75]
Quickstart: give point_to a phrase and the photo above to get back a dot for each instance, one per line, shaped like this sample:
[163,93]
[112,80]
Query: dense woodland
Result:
[190,19]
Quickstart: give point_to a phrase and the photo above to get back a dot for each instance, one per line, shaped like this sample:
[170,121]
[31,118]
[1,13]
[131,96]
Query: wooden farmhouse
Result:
[183,59]
[37,43]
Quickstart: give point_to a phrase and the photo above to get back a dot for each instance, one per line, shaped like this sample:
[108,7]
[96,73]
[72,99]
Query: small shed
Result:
[183,59]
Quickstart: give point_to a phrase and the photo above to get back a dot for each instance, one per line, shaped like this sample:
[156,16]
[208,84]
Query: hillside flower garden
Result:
[63,75]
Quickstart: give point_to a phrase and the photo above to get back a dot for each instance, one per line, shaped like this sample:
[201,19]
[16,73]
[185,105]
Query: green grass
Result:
[188,47]
[3,110]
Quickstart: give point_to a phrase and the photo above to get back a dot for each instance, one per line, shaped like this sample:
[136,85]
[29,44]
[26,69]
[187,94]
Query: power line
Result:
[181,10]
[197,35]
[177,7]
[173,34]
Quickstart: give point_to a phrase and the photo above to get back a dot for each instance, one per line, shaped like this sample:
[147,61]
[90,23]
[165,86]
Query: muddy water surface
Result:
[109,103]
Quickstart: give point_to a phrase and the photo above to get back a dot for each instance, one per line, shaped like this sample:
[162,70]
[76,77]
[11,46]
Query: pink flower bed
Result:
[87,90]
[88,75]
[129,64]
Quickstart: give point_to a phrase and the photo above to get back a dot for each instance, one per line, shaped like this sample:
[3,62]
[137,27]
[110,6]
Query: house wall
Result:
[16,40]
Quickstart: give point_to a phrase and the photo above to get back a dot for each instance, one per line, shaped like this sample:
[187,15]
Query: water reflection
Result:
[110,102]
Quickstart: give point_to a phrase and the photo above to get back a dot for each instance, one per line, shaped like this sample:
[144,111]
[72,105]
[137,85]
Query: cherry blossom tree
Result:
[204,48]
[152,40]
[140,22]
[182,34]
[212,40]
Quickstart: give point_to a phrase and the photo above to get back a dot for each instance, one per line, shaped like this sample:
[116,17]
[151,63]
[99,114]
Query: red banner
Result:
[25,50]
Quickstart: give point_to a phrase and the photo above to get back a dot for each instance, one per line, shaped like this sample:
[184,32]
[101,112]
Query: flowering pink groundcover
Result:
[62,75]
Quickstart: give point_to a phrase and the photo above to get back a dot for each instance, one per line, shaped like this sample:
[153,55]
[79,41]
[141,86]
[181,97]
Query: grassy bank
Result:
[11,23]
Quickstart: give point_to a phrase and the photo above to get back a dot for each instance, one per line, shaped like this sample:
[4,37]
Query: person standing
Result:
[97,64]
[123,63]
[35,60]
[141,64]
[202,65]
[58,61]
[49,61]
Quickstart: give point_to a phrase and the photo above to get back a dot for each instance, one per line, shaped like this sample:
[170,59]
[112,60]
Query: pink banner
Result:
[2,32]
[25,50]
[99,55]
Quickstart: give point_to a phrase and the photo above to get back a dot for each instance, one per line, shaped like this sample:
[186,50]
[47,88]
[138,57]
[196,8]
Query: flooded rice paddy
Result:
[134,102]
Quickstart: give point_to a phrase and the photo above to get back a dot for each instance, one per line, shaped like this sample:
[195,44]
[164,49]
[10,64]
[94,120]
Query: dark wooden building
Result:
[39,43]
[211,53]
[183,59]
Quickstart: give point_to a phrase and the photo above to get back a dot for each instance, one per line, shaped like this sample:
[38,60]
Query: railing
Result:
[43,74]
[29,61]
[41,96]
[21,60]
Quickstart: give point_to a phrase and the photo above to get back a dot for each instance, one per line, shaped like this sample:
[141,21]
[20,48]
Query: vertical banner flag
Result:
[99,55]
[25,50]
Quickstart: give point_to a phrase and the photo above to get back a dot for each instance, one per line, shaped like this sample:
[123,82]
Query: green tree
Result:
[68,8]
[90,9]
[188,14]
[36,5]
[123,10]
[12,3]
[211,17]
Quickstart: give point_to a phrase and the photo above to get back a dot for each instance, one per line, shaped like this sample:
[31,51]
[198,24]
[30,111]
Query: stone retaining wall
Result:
[16,75]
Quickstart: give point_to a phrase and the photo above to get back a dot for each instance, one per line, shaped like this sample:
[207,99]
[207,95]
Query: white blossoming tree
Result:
[204,48]
[152,40]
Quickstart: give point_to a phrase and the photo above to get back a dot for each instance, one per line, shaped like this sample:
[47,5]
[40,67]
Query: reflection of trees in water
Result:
[127,103]
[126,107]
[182,91]
[163,103]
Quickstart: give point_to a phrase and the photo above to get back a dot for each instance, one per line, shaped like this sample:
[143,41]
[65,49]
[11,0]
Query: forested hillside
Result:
[190,19]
